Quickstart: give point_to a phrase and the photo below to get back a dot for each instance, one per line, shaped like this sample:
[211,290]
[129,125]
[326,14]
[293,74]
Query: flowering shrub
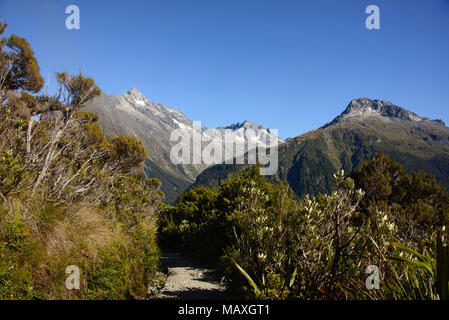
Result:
[272,246]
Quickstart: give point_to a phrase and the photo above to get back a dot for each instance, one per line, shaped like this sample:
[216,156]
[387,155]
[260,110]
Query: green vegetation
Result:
[272,246]
[68,195]
[308,162]
[71,196]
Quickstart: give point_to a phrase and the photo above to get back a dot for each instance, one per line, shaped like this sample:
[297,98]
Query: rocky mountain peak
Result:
[136,96]
[134,91]
[362,108]
[245,124]
[380,108]
[133,114]
[365,104]
[241,127]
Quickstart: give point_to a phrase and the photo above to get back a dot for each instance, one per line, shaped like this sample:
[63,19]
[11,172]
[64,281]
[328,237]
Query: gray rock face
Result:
[359,109]
[263,134]
[135,115]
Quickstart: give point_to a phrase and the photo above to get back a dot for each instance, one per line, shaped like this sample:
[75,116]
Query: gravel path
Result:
[187,279]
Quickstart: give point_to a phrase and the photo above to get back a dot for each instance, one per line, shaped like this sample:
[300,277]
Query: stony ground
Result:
[188,279]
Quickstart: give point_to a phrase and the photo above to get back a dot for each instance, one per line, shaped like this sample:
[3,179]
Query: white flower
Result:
[261,256]
[391,226]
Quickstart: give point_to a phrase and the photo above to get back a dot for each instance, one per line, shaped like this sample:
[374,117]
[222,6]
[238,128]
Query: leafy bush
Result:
[270,246]
[68,194]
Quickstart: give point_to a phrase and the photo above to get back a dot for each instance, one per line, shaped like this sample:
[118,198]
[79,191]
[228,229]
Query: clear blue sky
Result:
[286,64]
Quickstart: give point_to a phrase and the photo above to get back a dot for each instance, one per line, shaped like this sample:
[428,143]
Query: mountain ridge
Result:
[365,107]
[133,114]
[366,127]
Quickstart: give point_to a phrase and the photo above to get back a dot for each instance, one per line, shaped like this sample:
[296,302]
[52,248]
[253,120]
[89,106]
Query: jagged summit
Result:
[380,107]
[362,108]
[135,95]
[245,124]
[240,127]
[133,114]
[134,91]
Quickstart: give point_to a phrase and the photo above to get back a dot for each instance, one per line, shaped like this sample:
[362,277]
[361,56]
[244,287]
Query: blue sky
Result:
[286,64]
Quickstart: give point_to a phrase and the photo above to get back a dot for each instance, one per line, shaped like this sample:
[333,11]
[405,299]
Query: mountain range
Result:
[366,127]
[133,114]
[307,162]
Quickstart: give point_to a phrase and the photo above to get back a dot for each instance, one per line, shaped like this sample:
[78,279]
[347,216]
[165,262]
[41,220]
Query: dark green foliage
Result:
[201,220]
[11,172]
[214,178]
[317,248]
[194,224]
[129,151]
[419,203]
[442,267]
[68,194]
[17,57]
